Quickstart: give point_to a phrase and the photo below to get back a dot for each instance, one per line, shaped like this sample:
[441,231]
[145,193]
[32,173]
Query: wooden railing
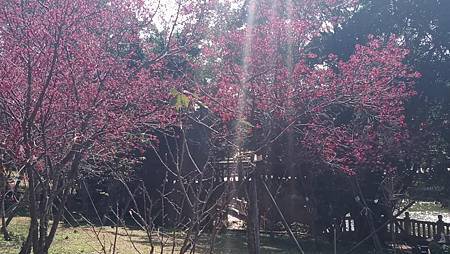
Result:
[423,229]
[405,227]
[348,225]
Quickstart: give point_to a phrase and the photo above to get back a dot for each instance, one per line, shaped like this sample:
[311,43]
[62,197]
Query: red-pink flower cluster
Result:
[350,112]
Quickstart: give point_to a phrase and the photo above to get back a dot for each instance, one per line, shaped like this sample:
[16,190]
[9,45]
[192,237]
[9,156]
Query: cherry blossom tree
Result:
[264,79]
[83,81]
[264,84]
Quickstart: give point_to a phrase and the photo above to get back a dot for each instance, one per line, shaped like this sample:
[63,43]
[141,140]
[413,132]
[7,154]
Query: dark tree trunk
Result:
[253,216]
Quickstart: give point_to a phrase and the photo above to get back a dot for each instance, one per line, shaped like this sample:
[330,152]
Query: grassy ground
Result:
[82,239]
[428,211]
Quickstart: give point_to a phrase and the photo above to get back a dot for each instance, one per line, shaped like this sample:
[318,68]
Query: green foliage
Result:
[179,100]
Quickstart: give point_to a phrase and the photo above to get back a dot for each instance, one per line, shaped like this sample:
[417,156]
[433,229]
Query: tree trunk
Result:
[253,216]
[42,198]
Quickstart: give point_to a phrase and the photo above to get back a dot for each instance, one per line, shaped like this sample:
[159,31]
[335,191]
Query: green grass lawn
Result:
[74,240]
[82,239]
